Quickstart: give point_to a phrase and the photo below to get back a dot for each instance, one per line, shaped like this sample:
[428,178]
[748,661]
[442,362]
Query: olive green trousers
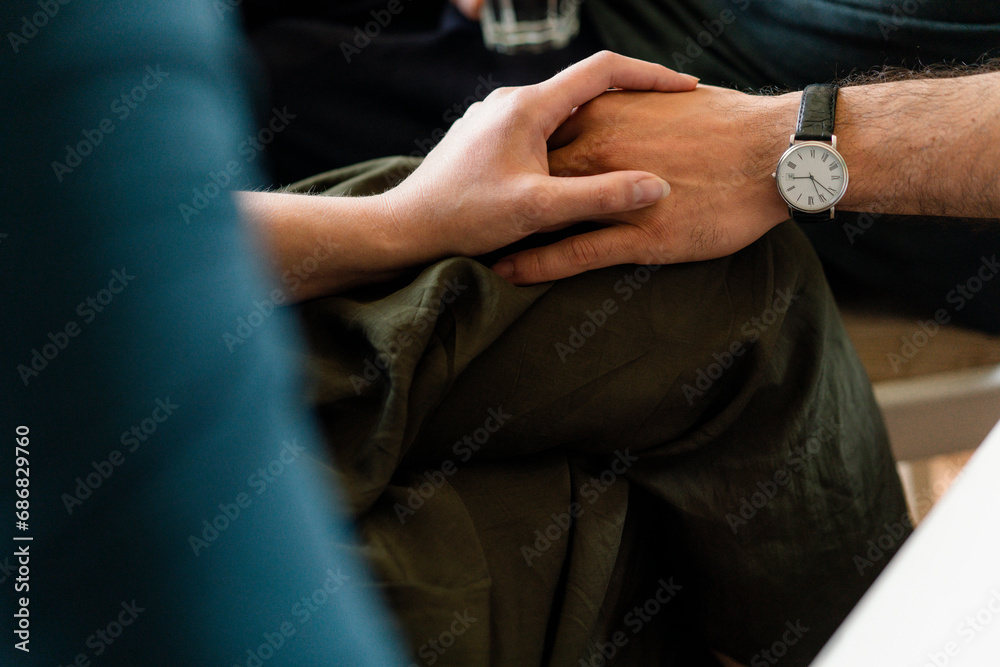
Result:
[631,466]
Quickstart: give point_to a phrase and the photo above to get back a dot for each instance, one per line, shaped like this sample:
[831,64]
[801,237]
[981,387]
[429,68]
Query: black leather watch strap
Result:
[802,216]
[817,113]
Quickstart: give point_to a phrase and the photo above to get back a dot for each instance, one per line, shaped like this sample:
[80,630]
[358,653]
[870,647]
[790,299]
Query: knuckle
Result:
[581,251]
[609,198]
[522,101]
[514,105]
[598,61]
[584,160]
[593,156]
[560,167]
[605,57]
[663,245]
[500,93]
[655,251]
[653,254]
[538,200]
[578,159]
[530,266]
[704,238]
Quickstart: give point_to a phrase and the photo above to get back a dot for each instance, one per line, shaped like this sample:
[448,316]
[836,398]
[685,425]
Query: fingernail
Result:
[651,189]
[504,269]
[693,78]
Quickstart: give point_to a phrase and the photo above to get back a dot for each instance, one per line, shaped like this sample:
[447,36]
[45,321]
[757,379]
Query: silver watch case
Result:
[794,145]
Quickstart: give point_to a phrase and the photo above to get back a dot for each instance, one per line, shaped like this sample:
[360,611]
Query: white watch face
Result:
[811,176]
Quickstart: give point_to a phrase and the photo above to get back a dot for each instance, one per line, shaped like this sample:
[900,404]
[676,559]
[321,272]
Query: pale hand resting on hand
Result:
[487,183]
[485,186]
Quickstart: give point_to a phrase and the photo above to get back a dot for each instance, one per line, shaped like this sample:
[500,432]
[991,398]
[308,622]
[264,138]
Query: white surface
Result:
[940,413]
[918,612]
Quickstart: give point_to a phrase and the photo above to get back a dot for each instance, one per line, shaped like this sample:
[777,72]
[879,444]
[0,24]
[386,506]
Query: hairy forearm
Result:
[916,147]
[324,245]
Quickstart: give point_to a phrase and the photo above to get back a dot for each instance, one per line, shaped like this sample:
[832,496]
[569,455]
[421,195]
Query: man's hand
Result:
[716,147]
[487,183]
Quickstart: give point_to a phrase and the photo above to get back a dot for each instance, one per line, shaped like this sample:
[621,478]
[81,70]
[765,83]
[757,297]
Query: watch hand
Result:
[814,183]
[826,188]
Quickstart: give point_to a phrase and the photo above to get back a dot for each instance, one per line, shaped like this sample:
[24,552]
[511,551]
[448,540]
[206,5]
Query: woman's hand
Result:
[483,187]
[487,183]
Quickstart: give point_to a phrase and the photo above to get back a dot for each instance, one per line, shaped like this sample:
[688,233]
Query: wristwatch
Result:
[811,174]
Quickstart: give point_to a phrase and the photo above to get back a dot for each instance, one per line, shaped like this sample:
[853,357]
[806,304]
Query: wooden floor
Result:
[926,481]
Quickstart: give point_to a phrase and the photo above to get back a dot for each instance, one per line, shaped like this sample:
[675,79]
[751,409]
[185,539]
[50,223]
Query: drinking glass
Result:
[515,26]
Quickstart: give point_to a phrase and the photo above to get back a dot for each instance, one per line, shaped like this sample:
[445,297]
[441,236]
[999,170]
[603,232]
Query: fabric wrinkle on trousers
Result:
[745,499]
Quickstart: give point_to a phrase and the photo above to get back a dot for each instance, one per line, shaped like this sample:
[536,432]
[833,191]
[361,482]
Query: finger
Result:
[594,250]
[556,226]
[569,161]
[592,76]
[470,8]
[552,200]
[588,78]
[565,133]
